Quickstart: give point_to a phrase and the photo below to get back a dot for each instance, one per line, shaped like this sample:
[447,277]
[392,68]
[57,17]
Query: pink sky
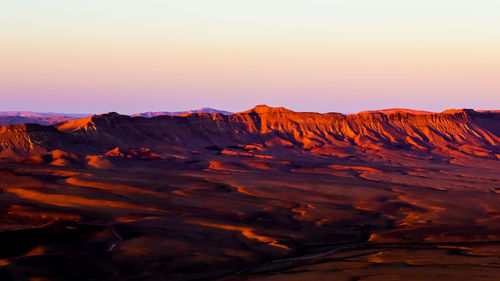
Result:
[321,56]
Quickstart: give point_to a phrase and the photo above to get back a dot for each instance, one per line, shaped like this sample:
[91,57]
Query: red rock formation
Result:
[463,131]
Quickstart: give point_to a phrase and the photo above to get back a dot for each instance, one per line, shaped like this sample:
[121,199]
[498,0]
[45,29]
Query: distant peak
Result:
[31,114]
[397,110]
[208,110]
[461,110]
[262,108]
[113,113]
[103,116]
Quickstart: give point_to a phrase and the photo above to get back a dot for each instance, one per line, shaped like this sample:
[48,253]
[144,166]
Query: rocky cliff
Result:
[453,131]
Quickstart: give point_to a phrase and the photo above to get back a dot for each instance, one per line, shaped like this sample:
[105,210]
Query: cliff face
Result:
[464,131]
[30,139]
[456,130]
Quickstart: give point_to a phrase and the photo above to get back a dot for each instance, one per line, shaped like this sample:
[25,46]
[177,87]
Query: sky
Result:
[129,56]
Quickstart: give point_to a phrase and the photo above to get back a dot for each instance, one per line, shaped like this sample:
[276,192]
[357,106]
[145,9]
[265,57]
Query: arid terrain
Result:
[264,195]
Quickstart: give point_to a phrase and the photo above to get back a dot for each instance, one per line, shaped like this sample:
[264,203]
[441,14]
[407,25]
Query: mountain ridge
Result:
[151,114]
[32,114]
[449,133]
[42,118]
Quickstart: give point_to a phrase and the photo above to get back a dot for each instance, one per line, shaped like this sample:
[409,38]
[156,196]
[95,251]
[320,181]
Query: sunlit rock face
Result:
[264,194]
[444,134]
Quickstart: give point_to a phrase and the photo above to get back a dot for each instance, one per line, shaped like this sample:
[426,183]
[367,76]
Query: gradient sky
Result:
[130,56]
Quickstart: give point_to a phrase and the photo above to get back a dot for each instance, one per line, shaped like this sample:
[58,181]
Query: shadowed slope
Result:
[29,139]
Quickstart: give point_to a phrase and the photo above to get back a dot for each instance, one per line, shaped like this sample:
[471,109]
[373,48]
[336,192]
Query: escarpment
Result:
[466,131]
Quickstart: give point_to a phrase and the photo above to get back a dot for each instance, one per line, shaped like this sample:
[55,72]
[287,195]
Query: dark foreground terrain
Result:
[267,194]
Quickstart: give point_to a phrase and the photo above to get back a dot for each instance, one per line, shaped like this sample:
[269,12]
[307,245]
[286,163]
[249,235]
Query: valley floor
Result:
[265,220]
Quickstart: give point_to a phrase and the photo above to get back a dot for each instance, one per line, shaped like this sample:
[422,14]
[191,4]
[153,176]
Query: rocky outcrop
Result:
[30,139]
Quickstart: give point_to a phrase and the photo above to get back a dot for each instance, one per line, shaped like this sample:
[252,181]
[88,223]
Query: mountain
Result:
[263,194]
[369,134]
[31,114]
[23,117]
[177,113]
[396,110]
